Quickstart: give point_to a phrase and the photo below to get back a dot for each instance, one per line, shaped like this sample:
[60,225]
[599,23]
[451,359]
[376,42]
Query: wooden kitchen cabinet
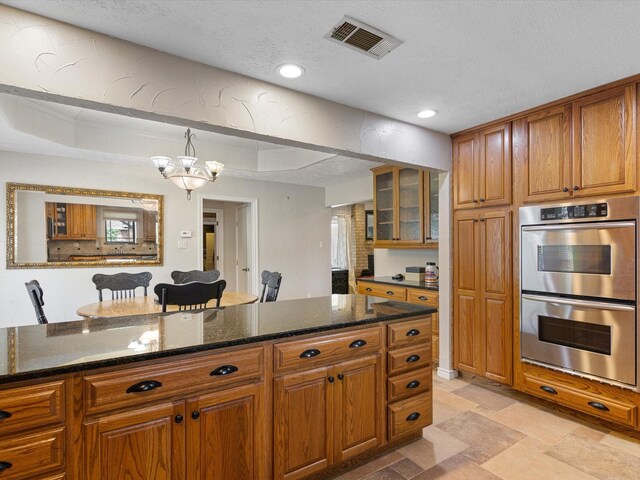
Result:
[398,207]
[482,168]
[149,220]
[81,221]
[604,142]
[482,293]
[56,214]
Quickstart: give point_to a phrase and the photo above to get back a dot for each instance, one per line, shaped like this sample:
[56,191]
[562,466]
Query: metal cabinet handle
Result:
[389,292]
[178,418]
[331,379]
[413,416]
[144,386]
[475,201]
[4,414]
[565,189]
[413,332]
[423,298]
[482,199]
[599,406]
[413,358]
[312,352]
[195,415]
[576,188]
[368,289]
[357,343]
[5,466]
[340,376]
[413,384]
[549,390]
[224,370]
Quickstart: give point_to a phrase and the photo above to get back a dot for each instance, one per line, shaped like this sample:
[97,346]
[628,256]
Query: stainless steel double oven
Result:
[579,288]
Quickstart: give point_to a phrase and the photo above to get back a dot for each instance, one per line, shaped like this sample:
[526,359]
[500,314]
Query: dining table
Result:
[144,305]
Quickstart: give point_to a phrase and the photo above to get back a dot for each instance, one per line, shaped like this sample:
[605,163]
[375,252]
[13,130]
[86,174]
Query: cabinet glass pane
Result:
[434,189]
[384,206]
[409,204]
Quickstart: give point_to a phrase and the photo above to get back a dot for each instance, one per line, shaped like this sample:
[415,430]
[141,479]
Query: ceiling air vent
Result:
[363,38]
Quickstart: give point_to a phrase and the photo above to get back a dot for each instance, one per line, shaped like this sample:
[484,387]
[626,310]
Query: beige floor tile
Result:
[457,468]
[449,385]
[590,433]
[407,468]
[520,462]
[485,437]
[372,466]
[534,444]
[387,473]
[435,447]
[596,459]
[622,442]
[447,405]
[485,397]
[536,422]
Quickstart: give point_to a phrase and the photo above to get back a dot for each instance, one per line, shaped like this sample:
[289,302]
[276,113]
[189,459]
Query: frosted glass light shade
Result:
[187,162]
[214,168]
[161,162]
[189,182]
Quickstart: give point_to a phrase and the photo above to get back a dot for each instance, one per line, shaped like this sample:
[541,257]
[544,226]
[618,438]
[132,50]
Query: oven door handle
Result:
[579,226]
[580,303]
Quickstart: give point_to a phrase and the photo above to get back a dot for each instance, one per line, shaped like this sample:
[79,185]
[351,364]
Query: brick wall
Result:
[360,247]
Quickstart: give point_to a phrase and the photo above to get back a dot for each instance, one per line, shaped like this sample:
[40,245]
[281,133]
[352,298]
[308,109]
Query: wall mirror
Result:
[62,227]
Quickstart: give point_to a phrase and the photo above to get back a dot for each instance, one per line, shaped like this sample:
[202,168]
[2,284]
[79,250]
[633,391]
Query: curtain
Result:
[341,254]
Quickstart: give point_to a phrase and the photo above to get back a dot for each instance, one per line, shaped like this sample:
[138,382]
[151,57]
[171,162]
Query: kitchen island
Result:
[291,389]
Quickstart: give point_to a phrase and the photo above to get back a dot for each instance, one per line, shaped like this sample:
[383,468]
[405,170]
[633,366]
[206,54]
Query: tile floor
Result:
[482,431]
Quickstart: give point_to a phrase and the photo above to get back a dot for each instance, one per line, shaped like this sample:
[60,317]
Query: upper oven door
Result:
[590,259]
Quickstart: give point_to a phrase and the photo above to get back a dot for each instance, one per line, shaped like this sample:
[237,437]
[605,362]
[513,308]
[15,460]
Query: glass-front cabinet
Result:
[405,208]
[399,208]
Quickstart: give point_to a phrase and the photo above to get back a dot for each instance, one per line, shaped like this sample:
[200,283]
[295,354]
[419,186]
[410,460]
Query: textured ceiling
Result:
[471,60]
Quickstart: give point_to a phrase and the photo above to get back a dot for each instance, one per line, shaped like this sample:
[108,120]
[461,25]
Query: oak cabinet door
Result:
[604,147]
[384,188]
[144,444]
[410,212]
[495,166]
[466,314]
[225,440]
[359,409]
[546,150]
[466,169]
[495,231]
[303,423]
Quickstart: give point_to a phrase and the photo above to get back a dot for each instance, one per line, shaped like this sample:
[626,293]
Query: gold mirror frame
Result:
[12,231]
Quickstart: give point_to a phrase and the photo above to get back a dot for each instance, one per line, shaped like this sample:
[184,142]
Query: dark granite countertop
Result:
[401,283]
[42,350]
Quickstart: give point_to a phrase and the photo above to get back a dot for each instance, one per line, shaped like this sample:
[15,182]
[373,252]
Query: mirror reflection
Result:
[58,226]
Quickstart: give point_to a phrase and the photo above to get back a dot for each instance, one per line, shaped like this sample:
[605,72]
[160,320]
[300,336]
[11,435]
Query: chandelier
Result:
[188,175]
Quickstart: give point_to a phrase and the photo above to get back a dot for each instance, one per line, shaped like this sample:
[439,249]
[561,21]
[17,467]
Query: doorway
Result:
[228,240]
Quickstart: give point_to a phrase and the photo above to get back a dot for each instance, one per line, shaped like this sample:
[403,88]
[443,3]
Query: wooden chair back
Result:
[122,285]
[207,276]
[270,286]
[189,296]
[37,299]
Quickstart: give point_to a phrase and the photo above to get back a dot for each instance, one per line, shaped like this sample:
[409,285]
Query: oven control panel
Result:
[593,210]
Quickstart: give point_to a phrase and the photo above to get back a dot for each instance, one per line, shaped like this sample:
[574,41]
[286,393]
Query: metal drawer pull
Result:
[5,466]
[423,298]
[412,417]
[413,358]
[331,379]
[389,292]
[549,390]
[144,386]
[4,414]
[312,352]
[358,343]
[413,332]
[599,406]
[195,415]
[179,418]
[413,384]
[368,289]
[224,370]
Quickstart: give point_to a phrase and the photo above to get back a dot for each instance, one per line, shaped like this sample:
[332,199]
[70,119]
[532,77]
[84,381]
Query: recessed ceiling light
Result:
[290,70]
[427,113]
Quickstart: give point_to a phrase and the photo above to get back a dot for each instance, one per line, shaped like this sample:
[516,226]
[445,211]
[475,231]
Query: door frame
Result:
[254,280]
[238,207]
[219,248]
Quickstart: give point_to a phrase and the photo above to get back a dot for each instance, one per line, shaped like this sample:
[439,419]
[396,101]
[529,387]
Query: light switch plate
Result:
[182,244]
[185,234]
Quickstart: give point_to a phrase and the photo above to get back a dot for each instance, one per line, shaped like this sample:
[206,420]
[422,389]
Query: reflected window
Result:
[120,231]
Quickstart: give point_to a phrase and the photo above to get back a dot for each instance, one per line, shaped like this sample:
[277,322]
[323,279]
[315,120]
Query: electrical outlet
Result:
[182,244]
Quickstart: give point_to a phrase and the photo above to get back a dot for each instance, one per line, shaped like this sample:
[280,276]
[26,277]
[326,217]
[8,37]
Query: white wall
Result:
[389,261]
[356,191]
[31,227]
[293,222]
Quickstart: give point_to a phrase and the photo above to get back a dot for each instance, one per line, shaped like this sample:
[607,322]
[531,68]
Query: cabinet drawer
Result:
[410,415]
[25,456]
[327,348]
[594,404]
[408,333]
[33,406]
[382,290]
[409,358]
[409,384]
[422,297]
[133,385]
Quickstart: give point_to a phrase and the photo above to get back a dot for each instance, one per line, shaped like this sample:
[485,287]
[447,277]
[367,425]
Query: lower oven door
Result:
[593,338]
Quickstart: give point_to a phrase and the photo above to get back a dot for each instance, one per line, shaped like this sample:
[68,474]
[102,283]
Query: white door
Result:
[243,262]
